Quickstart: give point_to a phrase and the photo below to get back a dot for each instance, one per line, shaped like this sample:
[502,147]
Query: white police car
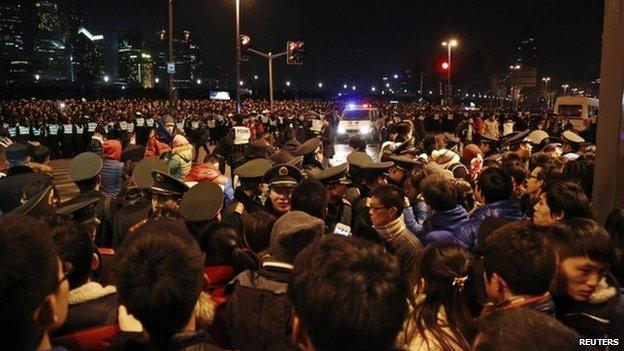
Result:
[358,119]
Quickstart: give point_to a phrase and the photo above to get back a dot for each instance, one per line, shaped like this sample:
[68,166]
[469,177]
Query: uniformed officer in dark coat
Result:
[312,155]
[281,180]
[335,181]
[19,177]
[373,175]
[571,144]
[67,139]
[134,202]
[200,207]
[247,195]
[403,165]
[356,161]
[84,170]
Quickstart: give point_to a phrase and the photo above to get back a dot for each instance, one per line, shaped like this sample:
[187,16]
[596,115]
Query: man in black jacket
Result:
[19,177]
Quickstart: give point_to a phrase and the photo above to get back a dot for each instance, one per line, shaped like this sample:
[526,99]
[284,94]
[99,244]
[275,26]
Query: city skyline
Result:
[359,42]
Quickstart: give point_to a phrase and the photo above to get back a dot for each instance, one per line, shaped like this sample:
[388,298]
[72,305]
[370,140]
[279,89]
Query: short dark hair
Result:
[495,184]
[523,329]
[515,169]
[40,153]
[581,171]
[74,246]
[310,196]
[326,292]
[439,193]
[519,253]
[568,199]
[257,227]
[580,237]
[357,143]
[28,273]
[390,196]
[159,277]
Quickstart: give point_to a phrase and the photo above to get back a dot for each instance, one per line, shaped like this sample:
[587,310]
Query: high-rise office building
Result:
[51,52]
[88,58]
[130,49]
[15,67]
[187,57]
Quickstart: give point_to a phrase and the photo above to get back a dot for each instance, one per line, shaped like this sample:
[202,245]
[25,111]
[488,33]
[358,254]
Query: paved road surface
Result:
[68,189]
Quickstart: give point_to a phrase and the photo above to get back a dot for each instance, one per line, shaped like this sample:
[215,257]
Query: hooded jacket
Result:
[441,226]
[180,161]
[466,233]
[112,169]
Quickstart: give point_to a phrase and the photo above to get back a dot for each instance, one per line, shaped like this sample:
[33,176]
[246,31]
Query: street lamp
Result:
[199,82]
[353,87]
[241,83]
[287,83]
[396,76]
[157,80]
[37,77]
[344,86]
[546,80]
[387,85]
[320,84]
[373,89]
[449,45]
[565,88]
[107,78]
[238,58]
[256,77]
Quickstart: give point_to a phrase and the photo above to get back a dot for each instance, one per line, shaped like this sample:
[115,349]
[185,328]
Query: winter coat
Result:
[491,129]
[185,341]
[90,305]
[16,181]
[180,161]
[415,216]
[404,245]
[259,313]
[505,209]
[600,317]
[441,226]
[112,177]
[156,147]
[541,303]
[328,139]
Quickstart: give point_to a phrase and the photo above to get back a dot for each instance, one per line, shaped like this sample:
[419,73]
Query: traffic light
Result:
[445,65]
[245,42]
[294,52]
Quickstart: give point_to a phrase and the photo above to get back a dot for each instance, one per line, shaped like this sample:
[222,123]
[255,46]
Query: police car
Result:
[358,119]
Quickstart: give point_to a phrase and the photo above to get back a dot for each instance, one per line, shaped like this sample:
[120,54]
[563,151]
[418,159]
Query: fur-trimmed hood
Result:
[88,292]
[603,293]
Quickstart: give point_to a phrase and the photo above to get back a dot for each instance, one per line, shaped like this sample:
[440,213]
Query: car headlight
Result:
[365,130]
[341,130]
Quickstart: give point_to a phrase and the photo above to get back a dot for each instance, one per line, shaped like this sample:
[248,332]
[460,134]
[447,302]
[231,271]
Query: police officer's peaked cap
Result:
[37,206]
[82,211]
[142,172]
[572,137]
[84,166]
[405,163]
[253,169]
[167,185]
[283,175]
[308,147]
[334,175]
[537,136]
[359,159]
[202,202]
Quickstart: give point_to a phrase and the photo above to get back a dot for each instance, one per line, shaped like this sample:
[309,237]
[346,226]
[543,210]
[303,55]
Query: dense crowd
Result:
[472,231]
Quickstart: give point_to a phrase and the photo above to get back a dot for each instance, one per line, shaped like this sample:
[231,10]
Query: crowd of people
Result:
[473,230]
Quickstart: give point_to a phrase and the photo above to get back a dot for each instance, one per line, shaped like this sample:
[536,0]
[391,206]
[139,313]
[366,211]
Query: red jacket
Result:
[155,147]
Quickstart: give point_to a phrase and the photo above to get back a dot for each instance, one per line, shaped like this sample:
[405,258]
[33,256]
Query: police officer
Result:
[37,206]
[373,175]
[356,161]
[52,137]
[79,144]
[83,212]
[403,165]
[133,203]
[200,207]
[166,196]
[571,145]
[312,155]
[335,181]
[67,139]
[281,180]
[247,197]
[84,170]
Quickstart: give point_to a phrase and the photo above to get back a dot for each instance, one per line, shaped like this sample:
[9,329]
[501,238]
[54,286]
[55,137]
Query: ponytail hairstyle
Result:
[220,243]
[446,281]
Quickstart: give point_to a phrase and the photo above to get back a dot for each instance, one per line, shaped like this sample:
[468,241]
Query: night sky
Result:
[357,42]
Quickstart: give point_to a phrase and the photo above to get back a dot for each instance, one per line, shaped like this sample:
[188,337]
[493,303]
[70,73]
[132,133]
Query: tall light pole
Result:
[238,58]
[450,44]
[546,80]
[170,58]
[565,88]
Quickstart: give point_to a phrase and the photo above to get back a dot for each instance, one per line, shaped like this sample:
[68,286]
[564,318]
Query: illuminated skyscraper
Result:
[51,51]
[88,58]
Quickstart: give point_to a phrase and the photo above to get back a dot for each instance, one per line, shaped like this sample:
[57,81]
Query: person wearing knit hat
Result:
[160,143]
[180,160]
[259,312]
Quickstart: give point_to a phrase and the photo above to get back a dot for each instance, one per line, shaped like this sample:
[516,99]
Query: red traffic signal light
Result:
[445,65]
[294,52]
[245,42]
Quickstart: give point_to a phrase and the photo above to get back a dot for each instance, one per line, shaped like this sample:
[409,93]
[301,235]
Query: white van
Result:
[581,111]
[358,119]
